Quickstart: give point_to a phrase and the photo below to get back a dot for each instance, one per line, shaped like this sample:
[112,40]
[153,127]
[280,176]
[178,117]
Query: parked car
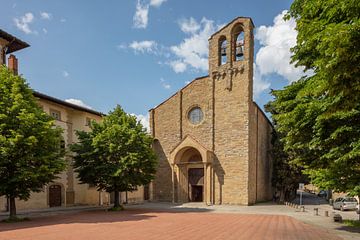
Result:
[345,203]
[322,194]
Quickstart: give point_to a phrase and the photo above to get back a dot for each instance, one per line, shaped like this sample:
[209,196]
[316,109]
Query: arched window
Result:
[239,42]
[222,50]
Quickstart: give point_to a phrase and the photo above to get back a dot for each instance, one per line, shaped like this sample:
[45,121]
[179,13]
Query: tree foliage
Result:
[30,144]
[319,115]
[116,155]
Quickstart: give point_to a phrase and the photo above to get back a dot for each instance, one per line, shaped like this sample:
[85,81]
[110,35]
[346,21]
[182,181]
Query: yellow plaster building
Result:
[65,190]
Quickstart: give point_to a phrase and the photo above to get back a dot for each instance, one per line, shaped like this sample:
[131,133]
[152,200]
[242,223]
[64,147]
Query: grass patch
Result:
[15,220]
[115,209]
[352,223]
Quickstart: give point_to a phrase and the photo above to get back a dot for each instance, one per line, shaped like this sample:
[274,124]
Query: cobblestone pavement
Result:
[162,224]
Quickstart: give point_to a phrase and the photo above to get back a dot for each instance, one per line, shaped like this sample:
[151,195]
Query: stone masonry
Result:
[231,143]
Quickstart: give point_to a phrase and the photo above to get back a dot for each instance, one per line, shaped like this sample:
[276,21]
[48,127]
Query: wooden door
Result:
[55,196]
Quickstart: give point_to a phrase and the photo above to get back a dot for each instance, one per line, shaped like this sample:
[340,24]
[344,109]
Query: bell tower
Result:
[231,74]
[231,55]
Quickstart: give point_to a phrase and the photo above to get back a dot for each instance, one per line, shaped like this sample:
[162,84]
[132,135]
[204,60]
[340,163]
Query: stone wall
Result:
[231,129]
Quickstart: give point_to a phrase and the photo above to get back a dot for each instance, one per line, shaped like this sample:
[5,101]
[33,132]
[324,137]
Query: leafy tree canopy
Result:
[116,155]
[30,144]
[318,116]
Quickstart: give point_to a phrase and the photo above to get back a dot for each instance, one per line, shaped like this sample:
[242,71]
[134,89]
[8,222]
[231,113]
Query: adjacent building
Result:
[65,190]
[212,139]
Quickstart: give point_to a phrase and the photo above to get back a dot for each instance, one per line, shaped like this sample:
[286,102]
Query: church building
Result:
[213,141]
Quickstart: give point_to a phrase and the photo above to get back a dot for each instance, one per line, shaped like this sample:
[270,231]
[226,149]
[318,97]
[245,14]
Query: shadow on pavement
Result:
[92,216]
[349,229]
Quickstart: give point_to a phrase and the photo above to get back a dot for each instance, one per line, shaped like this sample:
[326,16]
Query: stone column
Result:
[208,175]
[178,183]
[205,187]
[173,182]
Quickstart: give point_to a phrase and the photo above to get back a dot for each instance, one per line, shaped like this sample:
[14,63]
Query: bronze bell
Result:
[223,51]
[239,49]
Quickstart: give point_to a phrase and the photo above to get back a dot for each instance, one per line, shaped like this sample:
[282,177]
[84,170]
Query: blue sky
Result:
[138,53]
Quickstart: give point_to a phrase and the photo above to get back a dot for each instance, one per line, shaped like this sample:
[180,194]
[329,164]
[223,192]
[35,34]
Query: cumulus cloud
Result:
[143,46]
[23,23]
[156,3]
[78,102]
[178,66]
[193,50]
[274,54]
[189,25]
[45,15]
[141,18]
[259,83]
[143,119]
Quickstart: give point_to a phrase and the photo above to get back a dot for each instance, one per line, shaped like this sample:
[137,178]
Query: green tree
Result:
[30,144]
[116,155]
[318,117]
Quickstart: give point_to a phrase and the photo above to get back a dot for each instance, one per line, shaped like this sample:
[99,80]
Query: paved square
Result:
[158,225]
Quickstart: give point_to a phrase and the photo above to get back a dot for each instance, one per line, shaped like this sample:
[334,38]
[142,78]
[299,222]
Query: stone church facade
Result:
[212,140]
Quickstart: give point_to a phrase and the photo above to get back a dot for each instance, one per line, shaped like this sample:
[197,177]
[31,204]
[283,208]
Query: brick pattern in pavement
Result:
[158,225]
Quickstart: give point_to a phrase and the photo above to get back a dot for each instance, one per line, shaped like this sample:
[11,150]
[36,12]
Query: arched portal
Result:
[192,161]
[192,172]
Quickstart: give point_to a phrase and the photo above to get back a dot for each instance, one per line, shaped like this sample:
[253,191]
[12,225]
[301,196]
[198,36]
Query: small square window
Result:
[55,114]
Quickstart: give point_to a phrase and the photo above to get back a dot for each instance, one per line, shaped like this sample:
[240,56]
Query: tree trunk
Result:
[116,199]
[12,207]
[358,210]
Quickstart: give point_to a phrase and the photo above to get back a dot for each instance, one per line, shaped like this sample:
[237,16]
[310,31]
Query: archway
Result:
[195,174]
[192,172]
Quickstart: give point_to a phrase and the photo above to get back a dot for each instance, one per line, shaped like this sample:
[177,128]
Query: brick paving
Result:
[158,225]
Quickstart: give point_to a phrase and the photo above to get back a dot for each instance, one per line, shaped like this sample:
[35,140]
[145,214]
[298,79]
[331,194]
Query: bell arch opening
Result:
[222,50]
[238,39]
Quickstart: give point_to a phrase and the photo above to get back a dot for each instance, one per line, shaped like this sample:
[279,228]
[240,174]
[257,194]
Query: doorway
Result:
[196,184]
[55,196]
[196,193]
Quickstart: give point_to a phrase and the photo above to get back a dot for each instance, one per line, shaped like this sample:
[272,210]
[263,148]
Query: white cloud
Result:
[65,74]
[140,18]
[143,46]
[165,84]
[178,66]
[189,25]
[23,23]
[274,54]
[156,3]
[144,120]
[78,102]
[259,84]
[45,15]
[45,30]
[193,50]
[121,46]
[63,20]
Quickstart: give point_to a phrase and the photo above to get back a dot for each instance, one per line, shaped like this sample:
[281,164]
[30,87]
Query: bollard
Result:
[326,213]
[316,211]
[337,218]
